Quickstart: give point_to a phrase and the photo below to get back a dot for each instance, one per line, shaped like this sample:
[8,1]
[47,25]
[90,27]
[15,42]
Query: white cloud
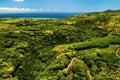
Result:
[19,0]
[48,9]
[7,9]
[55,9]
[40,9]
[14,9]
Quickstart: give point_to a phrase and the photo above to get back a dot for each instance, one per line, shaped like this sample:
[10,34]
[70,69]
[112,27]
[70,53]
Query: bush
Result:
[115,40]
[99,42]
[96,43]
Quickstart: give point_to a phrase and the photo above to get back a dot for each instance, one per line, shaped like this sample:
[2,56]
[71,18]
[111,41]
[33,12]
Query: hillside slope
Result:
[81,47]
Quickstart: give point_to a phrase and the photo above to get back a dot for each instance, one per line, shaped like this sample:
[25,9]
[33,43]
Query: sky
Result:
[58,5]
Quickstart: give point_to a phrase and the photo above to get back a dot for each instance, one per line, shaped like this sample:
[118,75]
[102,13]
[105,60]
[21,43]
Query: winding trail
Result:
[71,63]
[117,51]
[88,71]
[87,68]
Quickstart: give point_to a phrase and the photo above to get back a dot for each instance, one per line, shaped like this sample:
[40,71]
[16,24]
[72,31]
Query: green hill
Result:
[80,47]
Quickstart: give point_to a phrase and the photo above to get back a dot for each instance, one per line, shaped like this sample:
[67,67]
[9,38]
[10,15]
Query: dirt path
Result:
[71,63]
[88,71]
[87,68]
[117,51]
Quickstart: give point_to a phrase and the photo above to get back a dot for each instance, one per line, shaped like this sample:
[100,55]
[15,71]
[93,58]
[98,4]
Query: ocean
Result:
[37,15]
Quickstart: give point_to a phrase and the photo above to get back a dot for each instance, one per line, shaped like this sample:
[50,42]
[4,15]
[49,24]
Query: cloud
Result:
[55,9]
[7,9]
[19,0]
[14,9]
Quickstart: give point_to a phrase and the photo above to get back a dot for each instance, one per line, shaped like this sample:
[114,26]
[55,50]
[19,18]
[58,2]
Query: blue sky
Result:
[58,5]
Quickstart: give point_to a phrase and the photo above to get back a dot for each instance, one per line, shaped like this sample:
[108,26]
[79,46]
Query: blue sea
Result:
[37,15]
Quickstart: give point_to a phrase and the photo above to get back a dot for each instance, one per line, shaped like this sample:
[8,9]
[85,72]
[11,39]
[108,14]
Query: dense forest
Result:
[80,47]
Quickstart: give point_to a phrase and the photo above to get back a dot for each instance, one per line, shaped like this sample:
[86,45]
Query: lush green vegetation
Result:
[81,47]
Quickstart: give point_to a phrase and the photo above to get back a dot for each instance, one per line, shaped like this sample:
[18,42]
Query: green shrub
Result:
[96,43]
[115,40]
[99,42]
